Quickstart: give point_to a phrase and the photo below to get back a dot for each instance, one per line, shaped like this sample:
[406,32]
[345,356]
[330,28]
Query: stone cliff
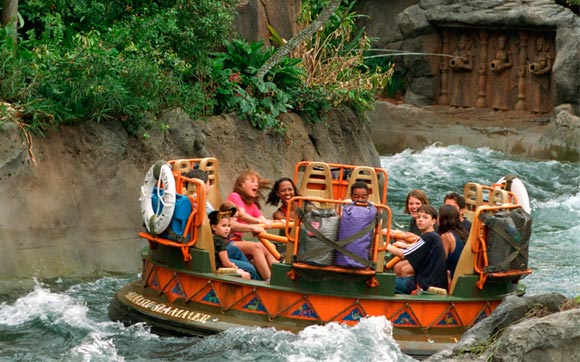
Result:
[537,328]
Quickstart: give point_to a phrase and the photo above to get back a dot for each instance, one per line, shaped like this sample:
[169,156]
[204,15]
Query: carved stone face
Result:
[539,43]
[461,44]
[501,41]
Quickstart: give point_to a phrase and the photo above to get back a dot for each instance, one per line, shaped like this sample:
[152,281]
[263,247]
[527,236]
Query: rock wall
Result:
[254,16]
[537,328]
[76,211]
[419,27]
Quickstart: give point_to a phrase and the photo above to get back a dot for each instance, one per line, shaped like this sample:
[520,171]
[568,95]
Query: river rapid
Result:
[66,319]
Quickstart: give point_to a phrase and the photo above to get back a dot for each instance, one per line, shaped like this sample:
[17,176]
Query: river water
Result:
[66,319]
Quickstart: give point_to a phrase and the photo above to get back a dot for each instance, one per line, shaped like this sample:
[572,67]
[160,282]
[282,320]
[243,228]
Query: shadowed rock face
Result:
[254,16]
[419,27]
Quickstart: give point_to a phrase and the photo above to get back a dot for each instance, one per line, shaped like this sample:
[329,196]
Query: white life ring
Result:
[156,223]
[519,189]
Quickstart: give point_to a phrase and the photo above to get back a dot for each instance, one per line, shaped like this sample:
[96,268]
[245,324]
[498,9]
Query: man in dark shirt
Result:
[458,201]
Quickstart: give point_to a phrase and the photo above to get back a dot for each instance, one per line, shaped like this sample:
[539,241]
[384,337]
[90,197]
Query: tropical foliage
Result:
[82,60]
[334,57]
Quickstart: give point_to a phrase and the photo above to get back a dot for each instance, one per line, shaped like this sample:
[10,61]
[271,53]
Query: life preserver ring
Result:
[159,179]
[514,184]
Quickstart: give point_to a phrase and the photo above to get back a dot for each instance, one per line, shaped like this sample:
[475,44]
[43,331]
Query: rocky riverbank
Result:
[537,328]
[547,137]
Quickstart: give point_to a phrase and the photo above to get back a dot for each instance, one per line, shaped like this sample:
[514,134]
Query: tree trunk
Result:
[10,15]
[285,49]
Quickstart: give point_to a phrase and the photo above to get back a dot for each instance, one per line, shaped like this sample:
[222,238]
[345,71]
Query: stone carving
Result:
[503,71]
[521,104]
[502,61]
[482,71]
[444,67]
[540,69]
[462,65]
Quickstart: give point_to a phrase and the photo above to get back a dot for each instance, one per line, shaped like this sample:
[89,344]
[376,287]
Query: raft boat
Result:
[319,279]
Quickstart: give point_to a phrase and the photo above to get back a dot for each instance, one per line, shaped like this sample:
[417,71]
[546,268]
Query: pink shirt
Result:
[251,210]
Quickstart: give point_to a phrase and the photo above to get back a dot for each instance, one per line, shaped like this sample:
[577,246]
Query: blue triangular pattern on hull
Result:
[211,297]
[354,315]
[481,316]
[405,319]
[178,289]
[448,320]
[155,281]
[305,311]
[255,305]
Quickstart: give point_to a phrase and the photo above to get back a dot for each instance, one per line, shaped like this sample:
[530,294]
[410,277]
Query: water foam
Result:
[329,343]
[40,303]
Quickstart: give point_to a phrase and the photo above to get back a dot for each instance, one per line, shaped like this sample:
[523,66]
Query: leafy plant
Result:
[395,86]
[100,60]
[334,58]
[237,89]
[262,102]
[313,104]
[79,60]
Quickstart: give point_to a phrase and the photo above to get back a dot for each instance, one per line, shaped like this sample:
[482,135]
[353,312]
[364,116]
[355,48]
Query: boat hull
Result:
[133,304]
[184,303]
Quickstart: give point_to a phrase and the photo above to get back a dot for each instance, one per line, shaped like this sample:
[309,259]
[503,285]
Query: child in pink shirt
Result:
[246,197]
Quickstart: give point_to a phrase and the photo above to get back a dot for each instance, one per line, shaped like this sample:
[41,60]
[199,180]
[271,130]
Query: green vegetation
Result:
[110,60]
[396,85]
[573,2]
[259,101]
[78,61]
[334,58]
[573,5]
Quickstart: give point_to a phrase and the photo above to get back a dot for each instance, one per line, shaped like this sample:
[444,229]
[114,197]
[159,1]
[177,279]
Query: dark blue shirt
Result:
[427,257]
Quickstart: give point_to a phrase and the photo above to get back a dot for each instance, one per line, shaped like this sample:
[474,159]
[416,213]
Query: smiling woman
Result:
[282,191]
[415,199]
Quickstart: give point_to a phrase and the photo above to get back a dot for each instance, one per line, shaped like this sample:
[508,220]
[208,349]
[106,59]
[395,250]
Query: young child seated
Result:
[221,228]
[358,216]
[359,192]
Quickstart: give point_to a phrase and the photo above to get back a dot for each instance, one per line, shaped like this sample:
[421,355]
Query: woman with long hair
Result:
[246,198]
[282,191]
[453,235]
